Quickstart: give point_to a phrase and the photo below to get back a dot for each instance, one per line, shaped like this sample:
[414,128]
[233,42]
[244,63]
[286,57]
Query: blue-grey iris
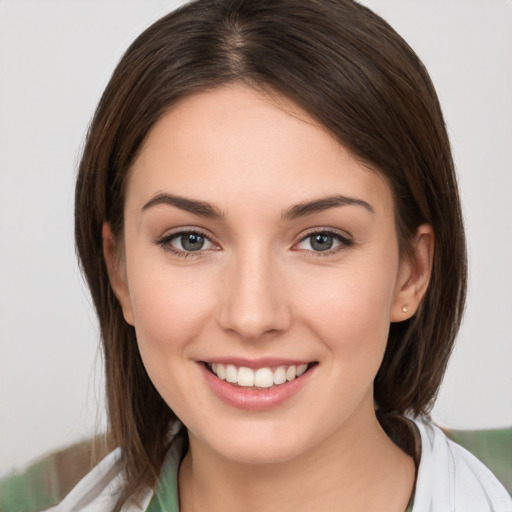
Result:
[192,242]
[322,242]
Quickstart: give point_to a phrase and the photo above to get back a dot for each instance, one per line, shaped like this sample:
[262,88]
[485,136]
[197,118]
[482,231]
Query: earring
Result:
[404,309]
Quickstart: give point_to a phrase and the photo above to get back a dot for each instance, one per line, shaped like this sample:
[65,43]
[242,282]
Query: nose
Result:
[254,302]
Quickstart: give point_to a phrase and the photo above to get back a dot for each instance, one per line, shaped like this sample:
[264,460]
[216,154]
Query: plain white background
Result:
[55,59]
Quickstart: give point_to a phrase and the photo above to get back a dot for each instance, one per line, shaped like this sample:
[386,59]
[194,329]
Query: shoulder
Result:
[69,481]
[99,489]
[47,480]
[451,478]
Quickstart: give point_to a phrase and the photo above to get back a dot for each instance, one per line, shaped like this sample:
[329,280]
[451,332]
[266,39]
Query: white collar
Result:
[450,479]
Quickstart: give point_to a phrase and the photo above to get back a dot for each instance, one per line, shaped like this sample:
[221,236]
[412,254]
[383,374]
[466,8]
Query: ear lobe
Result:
[414,275]
[116,273]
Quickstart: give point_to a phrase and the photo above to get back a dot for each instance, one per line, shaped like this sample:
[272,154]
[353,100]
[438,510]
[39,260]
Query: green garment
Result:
[165,498]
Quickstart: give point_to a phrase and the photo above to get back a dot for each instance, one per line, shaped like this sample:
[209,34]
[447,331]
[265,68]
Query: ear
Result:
[116,272]
[414,275]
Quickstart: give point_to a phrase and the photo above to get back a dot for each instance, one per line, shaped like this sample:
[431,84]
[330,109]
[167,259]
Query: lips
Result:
[256,385]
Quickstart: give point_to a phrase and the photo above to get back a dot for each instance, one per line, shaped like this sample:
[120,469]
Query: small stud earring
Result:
[404,309]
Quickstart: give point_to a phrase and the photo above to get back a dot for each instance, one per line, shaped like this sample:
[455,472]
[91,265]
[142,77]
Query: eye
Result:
[186,242]
[190,242]
[324,241]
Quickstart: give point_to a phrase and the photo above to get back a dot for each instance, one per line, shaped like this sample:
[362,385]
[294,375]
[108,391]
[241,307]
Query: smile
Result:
[257,385]
[263,378]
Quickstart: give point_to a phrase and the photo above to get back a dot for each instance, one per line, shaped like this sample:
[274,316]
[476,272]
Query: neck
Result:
[356,469]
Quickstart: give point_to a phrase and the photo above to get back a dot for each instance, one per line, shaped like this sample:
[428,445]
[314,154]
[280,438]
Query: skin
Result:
[257,289]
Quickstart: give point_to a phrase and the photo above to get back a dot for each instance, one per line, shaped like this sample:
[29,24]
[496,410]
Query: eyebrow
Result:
[204,209]
[201,208]
[322,204]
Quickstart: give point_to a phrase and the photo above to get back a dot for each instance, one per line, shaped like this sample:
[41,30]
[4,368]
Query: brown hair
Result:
[353,73]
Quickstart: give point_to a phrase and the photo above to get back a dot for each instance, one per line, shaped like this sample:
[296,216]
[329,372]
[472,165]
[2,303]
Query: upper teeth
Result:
[260,378]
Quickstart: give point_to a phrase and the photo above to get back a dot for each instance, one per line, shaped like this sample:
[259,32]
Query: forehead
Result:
[235,142]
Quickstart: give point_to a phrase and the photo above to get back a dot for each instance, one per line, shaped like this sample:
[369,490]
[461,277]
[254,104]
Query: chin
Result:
[259,446]
[260,454]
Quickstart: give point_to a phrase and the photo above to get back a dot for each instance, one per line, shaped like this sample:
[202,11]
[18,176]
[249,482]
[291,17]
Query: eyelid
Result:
[345,240]
[165,240]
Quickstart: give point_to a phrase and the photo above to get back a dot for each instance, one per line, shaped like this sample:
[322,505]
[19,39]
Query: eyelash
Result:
[165,242]
[344,242]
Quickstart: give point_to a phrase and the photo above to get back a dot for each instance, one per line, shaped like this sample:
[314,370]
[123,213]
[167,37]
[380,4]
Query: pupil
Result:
[192,242]
[322,242]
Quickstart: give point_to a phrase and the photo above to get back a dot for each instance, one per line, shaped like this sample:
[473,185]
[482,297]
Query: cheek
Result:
[170,311]
[351,311]
[170,308]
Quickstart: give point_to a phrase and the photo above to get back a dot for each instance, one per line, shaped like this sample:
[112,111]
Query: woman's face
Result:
[253,240]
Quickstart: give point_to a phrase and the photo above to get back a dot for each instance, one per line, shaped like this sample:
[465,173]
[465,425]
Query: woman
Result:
[268,219]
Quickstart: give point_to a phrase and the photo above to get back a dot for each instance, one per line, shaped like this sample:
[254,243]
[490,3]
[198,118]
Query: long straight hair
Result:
[352,73]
